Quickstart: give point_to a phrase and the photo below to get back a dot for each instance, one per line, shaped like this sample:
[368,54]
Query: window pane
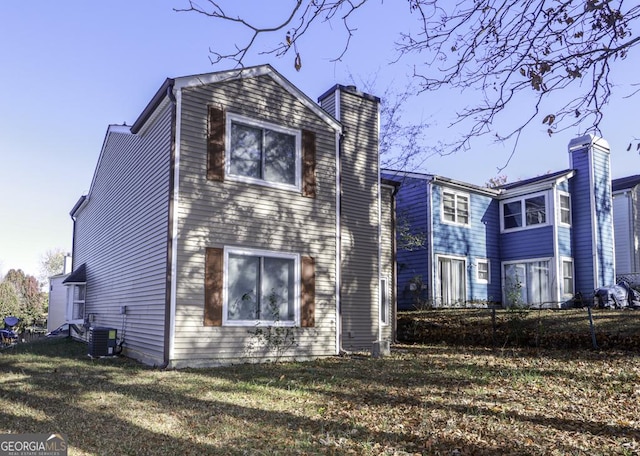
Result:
[512,214]
[535,210]
[538,282]
[515,284]
[278,289]
[463,209]
[448,207]
[483,270]
[280,157]
[78,292]
[567,275]
[452,281]
[78,310]
[565,209]
[243,279]
[246,151]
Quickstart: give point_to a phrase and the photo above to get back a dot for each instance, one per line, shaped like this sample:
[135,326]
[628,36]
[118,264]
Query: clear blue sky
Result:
[72,67]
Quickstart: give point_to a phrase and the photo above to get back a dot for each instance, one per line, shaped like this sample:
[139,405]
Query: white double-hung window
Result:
[564,208]
[455,207]
[262,152]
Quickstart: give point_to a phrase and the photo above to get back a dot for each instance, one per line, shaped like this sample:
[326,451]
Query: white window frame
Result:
[456,195]
[479,279]
[71,302]
[562,209]
[438,290]
[385,308]
[563,292]
[237,118]
[523,212]
[261,253]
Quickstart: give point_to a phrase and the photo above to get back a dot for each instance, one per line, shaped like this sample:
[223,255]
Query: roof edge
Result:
[146,113]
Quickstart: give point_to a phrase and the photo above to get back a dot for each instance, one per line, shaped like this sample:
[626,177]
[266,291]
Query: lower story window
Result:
[527,283]
[261,287]
[567,277]
[452,280]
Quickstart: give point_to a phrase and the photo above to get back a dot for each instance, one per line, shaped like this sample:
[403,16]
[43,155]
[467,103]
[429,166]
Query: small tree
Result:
[9,302]
[51,263]
[32,302]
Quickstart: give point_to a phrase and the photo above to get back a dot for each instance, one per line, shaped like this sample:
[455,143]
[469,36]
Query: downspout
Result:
[394,266]
[339,140]
[556,250]
[73,245]
[431,289]
[171,230]
[594,219]
[633,222]
[379,233]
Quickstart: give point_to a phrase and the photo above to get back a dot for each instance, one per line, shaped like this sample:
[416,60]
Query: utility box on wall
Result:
[102,342]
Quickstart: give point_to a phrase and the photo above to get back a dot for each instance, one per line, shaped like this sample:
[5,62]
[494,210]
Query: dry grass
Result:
[619,329]
[420,400]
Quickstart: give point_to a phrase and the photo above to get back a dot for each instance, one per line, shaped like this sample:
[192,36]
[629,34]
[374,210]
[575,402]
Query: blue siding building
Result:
[536,242]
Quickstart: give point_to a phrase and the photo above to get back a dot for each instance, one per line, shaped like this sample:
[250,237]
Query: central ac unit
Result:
[102,342]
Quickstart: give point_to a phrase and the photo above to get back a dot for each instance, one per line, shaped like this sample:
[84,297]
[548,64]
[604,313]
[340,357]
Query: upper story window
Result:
[527,212]
[564,208]
[262,152]
[455,207]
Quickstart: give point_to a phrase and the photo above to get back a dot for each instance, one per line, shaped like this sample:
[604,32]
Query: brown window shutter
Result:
[308,310]
[308,163]
[215,144]
[213,287]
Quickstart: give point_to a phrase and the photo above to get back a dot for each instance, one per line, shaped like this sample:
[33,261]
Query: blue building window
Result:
[526,212]
[455,207]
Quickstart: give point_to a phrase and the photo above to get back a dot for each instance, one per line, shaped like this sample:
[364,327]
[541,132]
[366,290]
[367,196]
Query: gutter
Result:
[171,230]
[165,90]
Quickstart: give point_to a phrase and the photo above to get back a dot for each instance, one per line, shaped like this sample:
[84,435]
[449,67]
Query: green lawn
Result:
[420,400]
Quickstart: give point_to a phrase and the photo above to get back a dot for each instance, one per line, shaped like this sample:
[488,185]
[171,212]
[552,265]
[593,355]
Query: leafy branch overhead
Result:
[553,60]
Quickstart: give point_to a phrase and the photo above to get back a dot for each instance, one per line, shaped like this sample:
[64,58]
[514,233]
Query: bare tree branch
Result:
[553,59]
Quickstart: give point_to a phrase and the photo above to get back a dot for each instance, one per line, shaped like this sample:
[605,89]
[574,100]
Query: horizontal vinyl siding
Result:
[531,243]
[57,302]
[478,240]
[635,228]
[359,222]
[231,213]
[582,222]
[564,241]
[411,209]
[604,218]
[623,237]
[122,235]
[387,255]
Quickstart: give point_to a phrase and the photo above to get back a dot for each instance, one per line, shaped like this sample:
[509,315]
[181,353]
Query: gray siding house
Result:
[234,213]
[626,223]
